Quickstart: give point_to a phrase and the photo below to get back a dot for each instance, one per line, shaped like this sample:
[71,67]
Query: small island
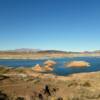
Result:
[78,64]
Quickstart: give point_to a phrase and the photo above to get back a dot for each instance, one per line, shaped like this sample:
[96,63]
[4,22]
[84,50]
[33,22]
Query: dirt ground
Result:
[36,86]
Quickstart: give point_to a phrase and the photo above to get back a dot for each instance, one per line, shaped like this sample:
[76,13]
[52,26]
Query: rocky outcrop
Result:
[50,63]
[3,96]
[47,68]
[78,64]
[37,68]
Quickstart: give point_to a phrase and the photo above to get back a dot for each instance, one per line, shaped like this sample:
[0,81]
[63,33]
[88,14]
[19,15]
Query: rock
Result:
[40,96]
[47,68]
[78,64]
[37,68]
[3,96]
[3,77]
[50,63]
[60,98]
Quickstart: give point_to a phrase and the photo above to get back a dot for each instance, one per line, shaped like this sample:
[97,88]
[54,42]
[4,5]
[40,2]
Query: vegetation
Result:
[41,86]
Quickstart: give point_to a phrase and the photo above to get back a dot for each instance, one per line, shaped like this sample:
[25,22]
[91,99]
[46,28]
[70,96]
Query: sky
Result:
[71,25]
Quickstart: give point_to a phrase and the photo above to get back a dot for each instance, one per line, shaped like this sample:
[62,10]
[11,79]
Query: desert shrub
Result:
[73,83]
[20,98]
[74,98]
[87,84]
[19,70]
[59,98]
[4,70]
[2,77]
[3,96]
[93,96]
[40,96]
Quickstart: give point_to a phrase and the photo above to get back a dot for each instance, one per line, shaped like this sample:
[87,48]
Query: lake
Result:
[59,68]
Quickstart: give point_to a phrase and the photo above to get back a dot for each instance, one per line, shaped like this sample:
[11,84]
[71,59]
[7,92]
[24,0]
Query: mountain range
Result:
[47,51]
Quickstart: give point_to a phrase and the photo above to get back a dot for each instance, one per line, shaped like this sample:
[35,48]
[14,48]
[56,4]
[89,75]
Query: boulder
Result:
[3,96]
[50,63]
[78,64]
[37,68]
[48,68]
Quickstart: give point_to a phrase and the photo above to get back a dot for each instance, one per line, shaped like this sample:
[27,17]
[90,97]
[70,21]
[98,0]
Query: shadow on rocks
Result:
[3,77]
[20,98]
[3,96]
[48,92]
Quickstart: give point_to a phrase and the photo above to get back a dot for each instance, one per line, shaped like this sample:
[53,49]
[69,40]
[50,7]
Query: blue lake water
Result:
[59,68]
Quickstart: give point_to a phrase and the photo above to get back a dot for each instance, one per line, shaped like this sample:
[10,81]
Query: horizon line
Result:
[92,50]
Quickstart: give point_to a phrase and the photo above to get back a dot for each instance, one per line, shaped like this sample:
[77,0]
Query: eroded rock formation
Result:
[78,64]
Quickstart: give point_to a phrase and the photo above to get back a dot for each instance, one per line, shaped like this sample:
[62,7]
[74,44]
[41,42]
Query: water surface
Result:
[59,68]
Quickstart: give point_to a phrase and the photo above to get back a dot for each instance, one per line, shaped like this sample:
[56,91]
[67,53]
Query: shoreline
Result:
[28,71]
[44,58]
[36,56]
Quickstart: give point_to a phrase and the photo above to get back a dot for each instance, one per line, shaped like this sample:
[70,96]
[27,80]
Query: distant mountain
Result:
[48,51]
[28,50]
[24,50]
[52,51]
[97,51]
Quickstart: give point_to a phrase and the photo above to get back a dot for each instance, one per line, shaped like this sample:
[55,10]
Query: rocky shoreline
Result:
[44,55]
[25,84]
